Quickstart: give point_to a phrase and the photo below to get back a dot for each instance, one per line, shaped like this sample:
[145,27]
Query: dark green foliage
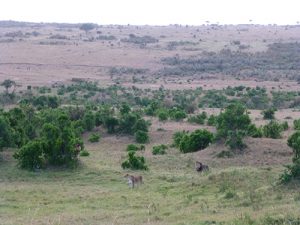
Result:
[78,127]
[152,108]
[159,149]
[177,114]
[141,125]
[199,119]
[111,123]
[294,143]
[89,121]
[235,140]
[269,114]
[211,121]
[134,162]
[84,153]
[87,26]
[125,109]
[127,123]
[272,130]
[31,156]
[232,125]
[94,138]
[213,99]
[132,147]
[141,137]
[297,124]
[293,171]
[8,84]
[283,99]
[54,131]
[45,101]
[177,137]
[6,133]
[197,140]
[254,132]
[163,115]
[285,125]
[255,98]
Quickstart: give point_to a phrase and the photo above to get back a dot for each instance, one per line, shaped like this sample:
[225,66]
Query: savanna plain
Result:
[82,105]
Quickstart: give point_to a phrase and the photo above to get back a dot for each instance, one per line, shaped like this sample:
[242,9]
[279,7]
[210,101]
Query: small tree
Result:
[293,171]
[159,149]
[87,27]
[232,125]
[125,109]
[6,133]
[162,115]
[297,124]
[8,84]
[89,121]
[272,130]
[111,123]
[269,114]
[141,137]
[134,162]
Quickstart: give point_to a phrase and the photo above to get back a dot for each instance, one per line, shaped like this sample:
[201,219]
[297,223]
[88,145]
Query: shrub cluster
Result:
[195,141]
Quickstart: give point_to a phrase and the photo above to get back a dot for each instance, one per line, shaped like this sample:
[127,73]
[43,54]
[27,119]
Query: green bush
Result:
[177,137]
[235,140]
[254,132]
[84,153]
[199,119]
[141,137]
[197,140]
[293,171]
[269,114]
[133,147]
[31,156]
[6,133]
[111,123]
[272,130]
[285,125]
[177,114]
[163,115]
[297,124]
[159,149]
[232,125]
[134,162]
[89,120]
[94,138]
[211,121]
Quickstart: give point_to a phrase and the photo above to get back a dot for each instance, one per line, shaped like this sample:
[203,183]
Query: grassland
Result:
[172,193]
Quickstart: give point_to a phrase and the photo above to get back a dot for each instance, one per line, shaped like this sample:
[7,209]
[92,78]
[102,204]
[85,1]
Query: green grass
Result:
[172,193]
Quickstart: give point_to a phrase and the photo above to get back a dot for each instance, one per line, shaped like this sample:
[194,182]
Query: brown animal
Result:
[133,180]
[200,167]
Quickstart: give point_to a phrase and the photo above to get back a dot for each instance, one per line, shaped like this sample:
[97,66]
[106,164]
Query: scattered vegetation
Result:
[159,149]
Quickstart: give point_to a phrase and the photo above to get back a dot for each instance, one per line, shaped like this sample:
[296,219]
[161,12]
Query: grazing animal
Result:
[133,180]
[200,167]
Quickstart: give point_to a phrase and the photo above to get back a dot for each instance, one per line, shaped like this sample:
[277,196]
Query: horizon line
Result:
[207,23]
